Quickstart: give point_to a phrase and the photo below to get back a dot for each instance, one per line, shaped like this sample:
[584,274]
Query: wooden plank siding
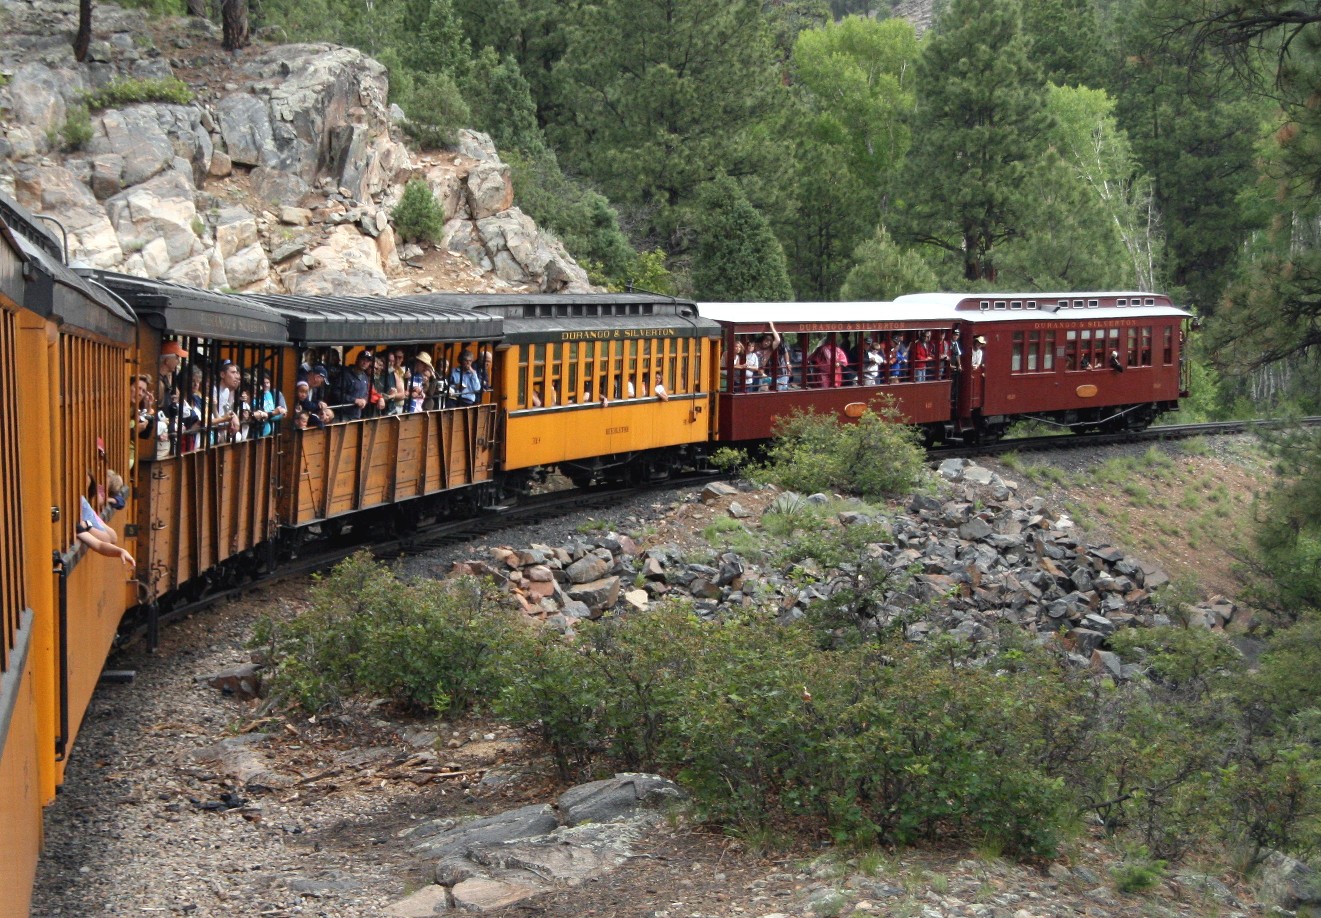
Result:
[344,468]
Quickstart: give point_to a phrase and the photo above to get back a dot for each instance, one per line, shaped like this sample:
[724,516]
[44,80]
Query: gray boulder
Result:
[446,840]
[616,798]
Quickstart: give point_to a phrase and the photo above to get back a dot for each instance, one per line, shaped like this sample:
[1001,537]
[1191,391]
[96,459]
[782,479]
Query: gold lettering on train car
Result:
[615,430]
[536,440]
[1099,323]
[609,334]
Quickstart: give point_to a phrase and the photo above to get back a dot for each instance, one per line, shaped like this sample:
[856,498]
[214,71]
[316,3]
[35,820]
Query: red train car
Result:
[1085,362]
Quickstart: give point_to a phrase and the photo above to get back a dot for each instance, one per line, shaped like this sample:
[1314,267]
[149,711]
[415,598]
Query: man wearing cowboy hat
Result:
[978,344]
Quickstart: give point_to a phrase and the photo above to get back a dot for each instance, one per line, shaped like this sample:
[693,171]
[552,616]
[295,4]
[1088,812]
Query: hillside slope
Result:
[278,174]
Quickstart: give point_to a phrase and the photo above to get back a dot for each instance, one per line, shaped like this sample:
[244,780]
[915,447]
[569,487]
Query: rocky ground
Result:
[182,800]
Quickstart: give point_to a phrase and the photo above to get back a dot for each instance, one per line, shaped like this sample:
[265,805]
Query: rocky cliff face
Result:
[279,176]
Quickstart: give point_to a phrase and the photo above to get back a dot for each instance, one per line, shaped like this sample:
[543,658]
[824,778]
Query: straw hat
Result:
[423,357]
[979,340]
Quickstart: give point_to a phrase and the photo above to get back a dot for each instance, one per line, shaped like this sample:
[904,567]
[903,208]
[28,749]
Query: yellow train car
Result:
[604,387]
[66,353]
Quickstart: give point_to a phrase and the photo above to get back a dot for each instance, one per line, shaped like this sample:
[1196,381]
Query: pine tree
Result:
[885,271]
[1193,131]
[663,95]
[737,257]
[978,126]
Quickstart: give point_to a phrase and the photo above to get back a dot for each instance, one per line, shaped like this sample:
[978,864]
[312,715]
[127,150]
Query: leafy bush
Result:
[876,457]
[130,91]
[429,645]
[419,216]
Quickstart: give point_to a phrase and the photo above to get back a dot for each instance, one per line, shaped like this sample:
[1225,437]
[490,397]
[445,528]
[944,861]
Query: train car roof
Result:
[998,307]
[929,309]
[316,321]
[595,316]
[189,311]
[53,289]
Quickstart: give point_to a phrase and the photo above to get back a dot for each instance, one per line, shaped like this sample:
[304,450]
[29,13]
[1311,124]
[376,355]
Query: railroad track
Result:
[325,553]
[321,554]
[1064,441]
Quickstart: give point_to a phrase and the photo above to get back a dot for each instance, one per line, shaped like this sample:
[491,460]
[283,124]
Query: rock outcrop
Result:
[280,176]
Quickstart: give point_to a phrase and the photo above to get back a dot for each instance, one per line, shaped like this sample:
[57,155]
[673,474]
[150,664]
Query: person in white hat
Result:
[978,353]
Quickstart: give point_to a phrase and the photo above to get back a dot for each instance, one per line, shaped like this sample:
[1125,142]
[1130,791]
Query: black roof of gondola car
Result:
[48,287]
[316,321]
[593,316]
[189,311]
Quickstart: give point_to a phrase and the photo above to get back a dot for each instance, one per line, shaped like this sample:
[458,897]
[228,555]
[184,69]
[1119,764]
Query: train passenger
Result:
[779,362]
[742,373]
[465,385]
[978,352]
[954,354]
[93,531]
[828,364]
[352,395]
[144,425]
[764,349]
[395,383]
[224,402]
[921,356]
[270,407]
[1115,363]
[899,359]
[873,363]
[657,386]
[417,398]
[316,413]
[167,369]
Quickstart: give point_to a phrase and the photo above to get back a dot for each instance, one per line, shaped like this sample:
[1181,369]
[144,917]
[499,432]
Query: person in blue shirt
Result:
[465,384]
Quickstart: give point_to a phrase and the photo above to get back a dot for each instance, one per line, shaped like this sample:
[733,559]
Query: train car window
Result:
[1112,344]
[1150,301]
[1031,304]
[986,304]
[1121,302]
[1048,354]
[1016,354]
[1146,346]
[1092,304]
[1133,347]
[999,304]
[1063,304]
[1078,304]
[1033,346]
[1168,355]
[1015,304]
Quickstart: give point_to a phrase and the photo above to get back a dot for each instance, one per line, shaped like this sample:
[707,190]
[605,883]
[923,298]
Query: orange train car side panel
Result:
[549,436]
[20,783]
[360,465]
[206,506]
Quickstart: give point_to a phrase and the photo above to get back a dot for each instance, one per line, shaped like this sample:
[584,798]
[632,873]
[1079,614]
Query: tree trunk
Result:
[234,19]
[83,40]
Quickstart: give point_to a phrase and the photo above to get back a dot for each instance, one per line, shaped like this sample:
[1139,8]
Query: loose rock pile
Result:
[963,561]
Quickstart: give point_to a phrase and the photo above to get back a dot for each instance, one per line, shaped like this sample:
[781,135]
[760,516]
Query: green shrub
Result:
[418,215]
[1138,872]
[77,130]
[875,458]
[427,645]
[130,91]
